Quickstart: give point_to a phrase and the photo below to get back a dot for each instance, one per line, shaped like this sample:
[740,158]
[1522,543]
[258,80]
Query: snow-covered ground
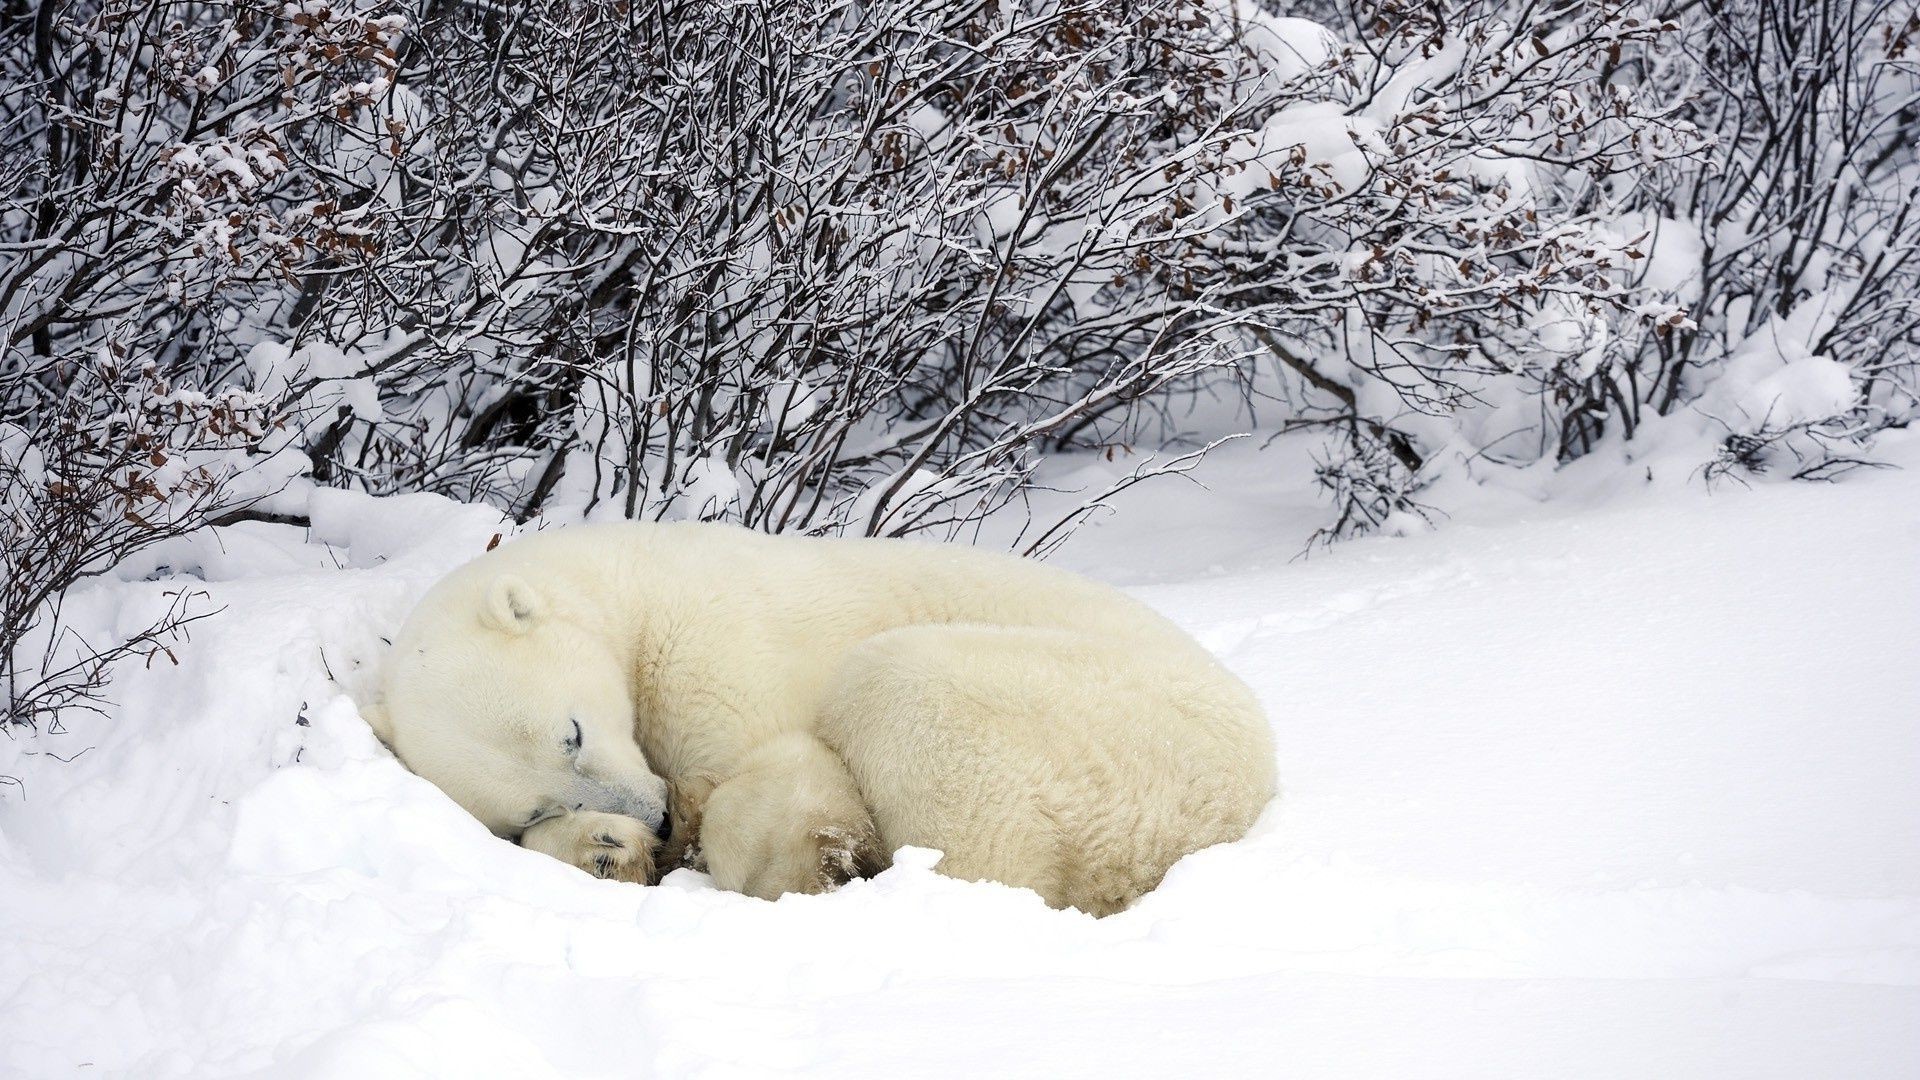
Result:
[1625,791]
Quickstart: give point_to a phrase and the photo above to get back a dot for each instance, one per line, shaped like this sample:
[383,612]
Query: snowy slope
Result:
[1622,792]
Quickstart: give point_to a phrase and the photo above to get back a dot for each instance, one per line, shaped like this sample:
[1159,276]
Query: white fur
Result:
[815,704]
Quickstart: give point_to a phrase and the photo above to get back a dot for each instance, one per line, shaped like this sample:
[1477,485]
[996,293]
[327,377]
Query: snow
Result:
[1776,378]
[1805,390]
[1284,48]
[1610,787]
[1326,138]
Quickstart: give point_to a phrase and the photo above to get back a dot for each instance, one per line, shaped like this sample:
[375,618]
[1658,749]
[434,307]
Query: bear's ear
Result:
[375,714]
[511,605]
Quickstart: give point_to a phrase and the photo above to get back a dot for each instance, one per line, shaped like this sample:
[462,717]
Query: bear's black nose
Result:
[665,828]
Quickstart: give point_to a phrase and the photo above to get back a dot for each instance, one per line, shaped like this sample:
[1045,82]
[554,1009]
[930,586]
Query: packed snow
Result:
[1614,787]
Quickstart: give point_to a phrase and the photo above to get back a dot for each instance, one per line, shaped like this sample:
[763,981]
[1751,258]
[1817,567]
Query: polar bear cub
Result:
[789,710]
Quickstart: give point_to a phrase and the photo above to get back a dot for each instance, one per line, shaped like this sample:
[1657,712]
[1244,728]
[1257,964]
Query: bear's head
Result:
[517,712]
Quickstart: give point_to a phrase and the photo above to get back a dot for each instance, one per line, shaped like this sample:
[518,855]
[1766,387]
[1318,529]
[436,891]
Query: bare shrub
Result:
[147,206]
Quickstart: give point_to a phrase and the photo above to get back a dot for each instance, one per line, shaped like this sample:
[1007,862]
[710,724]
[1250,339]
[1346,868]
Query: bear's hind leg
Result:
[938,738]
[790,820]
[1079,765]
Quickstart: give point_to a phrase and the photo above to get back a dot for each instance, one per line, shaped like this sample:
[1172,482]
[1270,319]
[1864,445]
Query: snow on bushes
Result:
[828,266]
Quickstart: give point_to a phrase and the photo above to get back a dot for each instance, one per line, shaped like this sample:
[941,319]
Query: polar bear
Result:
[789,710]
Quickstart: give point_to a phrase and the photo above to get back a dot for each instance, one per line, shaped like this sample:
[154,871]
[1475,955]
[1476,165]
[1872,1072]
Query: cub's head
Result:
[517,712]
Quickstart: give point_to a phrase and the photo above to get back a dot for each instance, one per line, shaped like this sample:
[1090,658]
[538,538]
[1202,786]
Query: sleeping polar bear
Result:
[791,710]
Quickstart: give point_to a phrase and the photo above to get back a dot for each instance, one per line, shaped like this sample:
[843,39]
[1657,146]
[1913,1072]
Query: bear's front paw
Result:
[604,845]
[619,853]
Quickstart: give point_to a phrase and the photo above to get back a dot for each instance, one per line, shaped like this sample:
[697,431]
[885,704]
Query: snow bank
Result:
[1619,793]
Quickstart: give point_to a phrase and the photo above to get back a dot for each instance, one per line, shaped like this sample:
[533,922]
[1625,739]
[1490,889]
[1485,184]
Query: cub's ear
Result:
[511,605]
[375,714]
